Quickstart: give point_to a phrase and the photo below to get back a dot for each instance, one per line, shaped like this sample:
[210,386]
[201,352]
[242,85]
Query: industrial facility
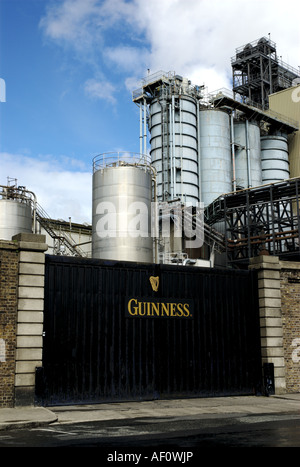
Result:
[234,151]
[227,161]
[21,213]
[186,283]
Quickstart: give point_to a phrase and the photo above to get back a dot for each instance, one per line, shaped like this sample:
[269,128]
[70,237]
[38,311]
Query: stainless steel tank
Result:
[15,218]
[274,158]
[121,219]
[215,154]
[247,154]
[174,147]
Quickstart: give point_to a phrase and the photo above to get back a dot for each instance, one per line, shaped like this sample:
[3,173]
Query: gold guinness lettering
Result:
[132,310]
[152,308]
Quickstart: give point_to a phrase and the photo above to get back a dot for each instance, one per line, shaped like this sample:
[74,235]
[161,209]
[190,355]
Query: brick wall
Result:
[279,308]
[8,320]
[290,308]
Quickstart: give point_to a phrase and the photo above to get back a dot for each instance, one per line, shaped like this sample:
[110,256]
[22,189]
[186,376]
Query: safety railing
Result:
[120,158]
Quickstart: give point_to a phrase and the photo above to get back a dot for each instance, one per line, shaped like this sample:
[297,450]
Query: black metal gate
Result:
[94,352]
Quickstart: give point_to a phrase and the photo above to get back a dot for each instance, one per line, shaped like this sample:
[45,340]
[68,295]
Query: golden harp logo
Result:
[154,281]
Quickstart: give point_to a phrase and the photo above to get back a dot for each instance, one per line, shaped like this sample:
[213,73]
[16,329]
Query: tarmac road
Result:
[158,426]
[154,435]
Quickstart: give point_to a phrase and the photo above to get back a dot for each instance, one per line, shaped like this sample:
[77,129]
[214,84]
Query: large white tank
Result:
[274,158]
[174,150]
[215,155]
[247,154]
[15,218]
[121,223]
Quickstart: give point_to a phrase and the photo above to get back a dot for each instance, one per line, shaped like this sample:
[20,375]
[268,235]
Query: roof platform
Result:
[164,84]
[252,112]
[150,84]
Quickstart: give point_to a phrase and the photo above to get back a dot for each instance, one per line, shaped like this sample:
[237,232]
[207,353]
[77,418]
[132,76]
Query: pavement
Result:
[28,417]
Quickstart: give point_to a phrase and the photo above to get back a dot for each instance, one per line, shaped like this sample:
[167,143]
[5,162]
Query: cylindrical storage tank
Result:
[215,155]
[174,151]
[274,158]
[15,218]
[247,155]
[121,222]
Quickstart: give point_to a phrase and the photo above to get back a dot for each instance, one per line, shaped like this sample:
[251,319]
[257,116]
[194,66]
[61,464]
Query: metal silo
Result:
[274,158]
[215,154]
[122,194]
[15,218]
[247,154]
[174,147]
[16,213]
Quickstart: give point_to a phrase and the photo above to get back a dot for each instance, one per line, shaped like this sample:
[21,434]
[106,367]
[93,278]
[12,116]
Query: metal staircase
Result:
[211,236]
[63,242]
[178,212]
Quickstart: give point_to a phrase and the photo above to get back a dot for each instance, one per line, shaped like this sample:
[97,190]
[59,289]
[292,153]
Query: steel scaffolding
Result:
[257,72]
[262,220]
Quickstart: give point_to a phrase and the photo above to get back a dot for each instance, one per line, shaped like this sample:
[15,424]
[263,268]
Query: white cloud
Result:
[100,90]
[124,38]
[195,38]
[198,38]
[70,21]
[62,193]
[127,58]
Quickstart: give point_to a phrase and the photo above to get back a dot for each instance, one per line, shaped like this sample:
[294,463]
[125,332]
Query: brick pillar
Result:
[30,314]
[9,256]
[290,307]
[270,316]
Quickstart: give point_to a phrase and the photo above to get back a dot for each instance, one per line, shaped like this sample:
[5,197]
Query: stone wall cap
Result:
[265,266]
[31,242]
[29,237]
[290,265]
[8,245]
[264,259]
[33,246]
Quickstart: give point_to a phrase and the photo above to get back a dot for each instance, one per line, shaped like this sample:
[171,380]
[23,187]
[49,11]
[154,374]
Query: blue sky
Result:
[70,67]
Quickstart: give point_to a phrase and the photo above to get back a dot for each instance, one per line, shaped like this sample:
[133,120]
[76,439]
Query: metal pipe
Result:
[199,153]
[262,83]
[298,216]
[141,129]
[248,155]
[162,149]
[233,154]
[270,75]
[34,213]
[181,146]
[173,147]
[145,127]
[155,233]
